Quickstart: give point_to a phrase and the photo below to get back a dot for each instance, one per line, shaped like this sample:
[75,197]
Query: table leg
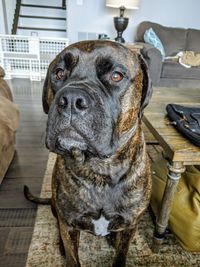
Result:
[174,174]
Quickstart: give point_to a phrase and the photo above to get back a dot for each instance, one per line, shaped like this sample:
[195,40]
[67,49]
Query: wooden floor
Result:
[17,215]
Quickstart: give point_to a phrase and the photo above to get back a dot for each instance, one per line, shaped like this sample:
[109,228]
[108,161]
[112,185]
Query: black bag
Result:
[186,120]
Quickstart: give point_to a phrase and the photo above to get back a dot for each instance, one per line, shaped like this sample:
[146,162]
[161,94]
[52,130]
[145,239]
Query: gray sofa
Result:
[170,73]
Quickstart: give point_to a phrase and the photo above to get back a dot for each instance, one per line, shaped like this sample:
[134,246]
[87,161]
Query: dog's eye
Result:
[117,76]
[59,74]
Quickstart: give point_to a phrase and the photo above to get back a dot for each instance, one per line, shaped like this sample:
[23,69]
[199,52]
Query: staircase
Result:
[44,18]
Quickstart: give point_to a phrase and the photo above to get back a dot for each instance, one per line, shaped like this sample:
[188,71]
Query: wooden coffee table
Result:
[178,149]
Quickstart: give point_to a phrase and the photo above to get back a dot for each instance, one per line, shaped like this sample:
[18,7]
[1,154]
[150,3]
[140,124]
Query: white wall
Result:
[10,10]
[10,6]
[2,25]
[94,16]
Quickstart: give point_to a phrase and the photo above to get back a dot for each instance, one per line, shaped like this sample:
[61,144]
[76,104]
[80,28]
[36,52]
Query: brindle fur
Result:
[117,186]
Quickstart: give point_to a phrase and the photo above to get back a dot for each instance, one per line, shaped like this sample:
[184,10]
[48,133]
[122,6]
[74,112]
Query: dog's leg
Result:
[75,236]
[70,241]
[111,239]
[61,245]
[123,240]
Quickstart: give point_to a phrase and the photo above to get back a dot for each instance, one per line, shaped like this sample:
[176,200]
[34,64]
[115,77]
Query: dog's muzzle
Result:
[74,100]
[79,118]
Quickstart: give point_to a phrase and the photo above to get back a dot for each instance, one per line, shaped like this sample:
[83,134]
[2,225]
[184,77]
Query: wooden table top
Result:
[178,148]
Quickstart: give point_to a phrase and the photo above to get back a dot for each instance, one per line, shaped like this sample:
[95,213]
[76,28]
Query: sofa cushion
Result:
[173,39]
[9,114]
[9,122]
[2,72]
[176,71]
[5,90]
[6,156]
[193,40]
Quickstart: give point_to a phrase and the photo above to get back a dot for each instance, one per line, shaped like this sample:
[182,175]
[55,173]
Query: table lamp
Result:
[121,22]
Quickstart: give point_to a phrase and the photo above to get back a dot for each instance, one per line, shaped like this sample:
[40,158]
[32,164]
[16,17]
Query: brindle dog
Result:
[94,94]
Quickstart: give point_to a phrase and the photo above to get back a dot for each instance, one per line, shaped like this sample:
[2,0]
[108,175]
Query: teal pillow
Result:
[150,37]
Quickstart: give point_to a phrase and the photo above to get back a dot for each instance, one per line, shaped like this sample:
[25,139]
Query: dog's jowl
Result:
[94,94]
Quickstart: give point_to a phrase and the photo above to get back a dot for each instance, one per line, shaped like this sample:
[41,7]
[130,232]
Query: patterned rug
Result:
[94,251]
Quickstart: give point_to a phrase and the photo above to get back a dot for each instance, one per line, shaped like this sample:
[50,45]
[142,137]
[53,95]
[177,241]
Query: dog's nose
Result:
[75,99]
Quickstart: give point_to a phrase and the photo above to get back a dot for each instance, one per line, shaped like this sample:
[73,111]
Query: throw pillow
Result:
[150,37]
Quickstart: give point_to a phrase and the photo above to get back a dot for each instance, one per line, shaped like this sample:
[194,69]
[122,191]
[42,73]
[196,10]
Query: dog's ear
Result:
[47,94]
[44,94]
[147,88]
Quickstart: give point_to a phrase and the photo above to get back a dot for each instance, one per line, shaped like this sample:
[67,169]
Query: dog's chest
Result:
[98,210]
[101,226]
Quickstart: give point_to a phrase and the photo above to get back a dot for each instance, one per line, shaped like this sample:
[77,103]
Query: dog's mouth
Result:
[67,144]
[69,139]
[63,137]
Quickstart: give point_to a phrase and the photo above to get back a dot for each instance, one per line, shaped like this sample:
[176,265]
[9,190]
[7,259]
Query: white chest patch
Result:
[101,226]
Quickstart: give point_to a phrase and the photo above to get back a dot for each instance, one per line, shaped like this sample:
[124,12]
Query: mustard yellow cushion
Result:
[184,219]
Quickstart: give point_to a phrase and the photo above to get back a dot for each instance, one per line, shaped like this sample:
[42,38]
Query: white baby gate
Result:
[28,56]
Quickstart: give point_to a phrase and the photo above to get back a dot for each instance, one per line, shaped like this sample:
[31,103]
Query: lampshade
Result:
[128,4]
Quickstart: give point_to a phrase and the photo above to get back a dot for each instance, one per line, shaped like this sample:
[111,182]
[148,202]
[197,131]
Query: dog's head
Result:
[93,93]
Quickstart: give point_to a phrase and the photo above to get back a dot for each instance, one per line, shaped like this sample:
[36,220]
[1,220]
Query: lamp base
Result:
[121,24]
[120,39]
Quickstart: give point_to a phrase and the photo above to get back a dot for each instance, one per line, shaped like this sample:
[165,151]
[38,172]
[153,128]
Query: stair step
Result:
[42,23]
[41,17]
[49,12]
[41,29]
[42,6]
[49,34]
[42,2]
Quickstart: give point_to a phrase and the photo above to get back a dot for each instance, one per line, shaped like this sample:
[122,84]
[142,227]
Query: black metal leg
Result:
[174,174]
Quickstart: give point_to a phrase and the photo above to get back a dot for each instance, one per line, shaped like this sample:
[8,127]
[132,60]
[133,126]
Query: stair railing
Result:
[64,4]
[16,17]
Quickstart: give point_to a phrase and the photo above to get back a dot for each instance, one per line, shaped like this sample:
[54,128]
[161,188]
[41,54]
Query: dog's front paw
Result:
[72,264]
[119,261]
[61,248]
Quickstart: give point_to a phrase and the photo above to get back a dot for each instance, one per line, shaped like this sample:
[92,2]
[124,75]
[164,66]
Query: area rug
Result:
[94,251]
